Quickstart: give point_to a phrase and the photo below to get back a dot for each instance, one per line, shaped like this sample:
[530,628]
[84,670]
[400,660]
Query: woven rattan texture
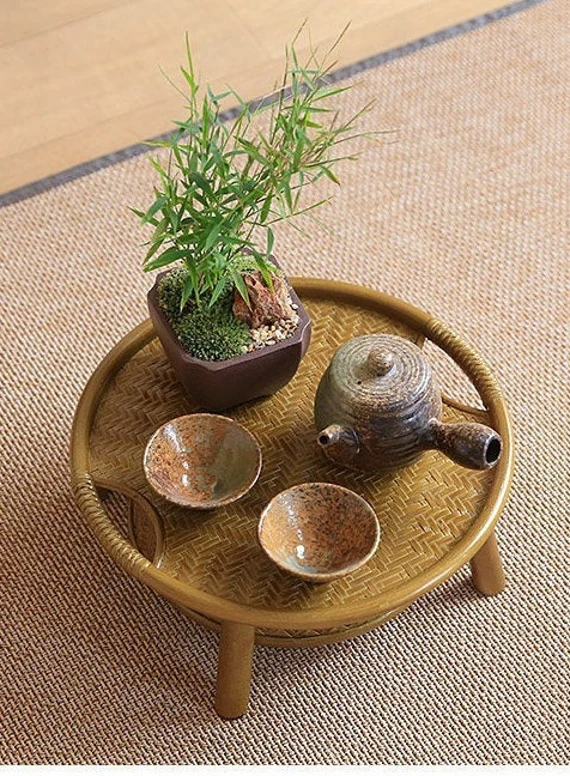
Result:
[423,509]
[466,215]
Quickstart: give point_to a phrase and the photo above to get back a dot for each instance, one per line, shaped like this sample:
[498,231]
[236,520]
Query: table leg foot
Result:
[487,568]
[234,669]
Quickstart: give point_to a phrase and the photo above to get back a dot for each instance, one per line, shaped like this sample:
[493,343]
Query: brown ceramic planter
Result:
[219,385]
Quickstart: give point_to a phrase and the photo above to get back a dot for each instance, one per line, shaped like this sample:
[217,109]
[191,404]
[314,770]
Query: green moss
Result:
[246,263]
[209,333]
[212,334]
[170,292]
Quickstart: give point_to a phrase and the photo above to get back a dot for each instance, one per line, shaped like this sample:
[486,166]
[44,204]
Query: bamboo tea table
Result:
[435,516]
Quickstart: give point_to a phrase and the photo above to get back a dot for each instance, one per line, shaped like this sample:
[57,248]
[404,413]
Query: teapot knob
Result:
[380,361]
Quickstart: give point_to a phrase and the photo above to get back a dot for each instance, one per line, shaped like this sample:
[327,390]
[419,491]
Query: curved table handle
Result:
[112,540]
[467,358]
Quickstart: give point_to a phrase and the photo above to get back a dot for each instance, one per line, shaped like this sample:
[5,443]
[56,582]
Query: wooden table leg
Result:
[487,568]
[234,669]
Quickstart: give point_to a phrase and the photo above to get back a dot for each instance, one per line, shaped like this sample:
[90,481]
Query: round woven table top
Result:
[434,514]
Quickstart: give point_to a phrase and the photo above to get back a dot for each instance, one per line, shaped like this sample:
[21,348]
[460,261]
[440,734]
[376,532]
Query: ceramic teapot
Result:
[378,406]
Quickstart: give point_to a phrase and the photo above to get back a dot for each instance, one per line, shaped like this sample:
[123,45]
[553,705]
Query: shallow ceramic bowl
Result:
[202,461]
[319,531]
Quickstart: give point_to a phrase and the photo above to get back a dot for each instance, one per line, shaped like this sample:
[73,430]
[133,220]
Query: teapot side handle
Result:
[472,445]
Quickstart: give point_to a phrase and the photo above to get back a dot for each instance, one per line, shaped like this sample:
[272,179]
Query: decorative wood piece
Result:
[265,306]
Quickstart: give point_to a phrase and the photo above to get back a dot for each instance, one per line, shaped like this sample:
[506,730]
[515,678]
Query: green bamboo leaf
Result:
[242,242]
[173,219]
[190,75]
[158,143]
[212,236]
[287,217]
[252,150]
[189,126]
[154,208]
[299,148]
[263,267]
[265,209]
[157,239]
[240,285]
[206,119]
[286,191]
[316,109]
[187,239]
[190,265]
[168,257]
[158,167]
[245,112]
[188,289]
[325,94]
[171,82]
[270,241]
[178,156]
[203,201]
[330,174]
[201,182]
[220,286]
[152,250]
[189,54]
[189,78]
[216,98]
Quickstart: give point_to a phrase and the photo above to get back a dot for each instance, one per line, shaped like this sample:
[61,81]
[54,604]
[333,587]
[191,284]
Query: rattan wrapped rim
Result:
[184,596]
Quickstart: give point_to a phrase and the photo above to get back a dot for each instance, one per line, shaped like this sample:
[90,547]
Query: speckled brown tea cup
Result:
[202,461]
[319,531]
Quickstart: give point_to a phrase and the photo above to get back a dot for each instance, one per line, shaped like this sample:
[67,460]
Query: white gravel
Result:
[270,335]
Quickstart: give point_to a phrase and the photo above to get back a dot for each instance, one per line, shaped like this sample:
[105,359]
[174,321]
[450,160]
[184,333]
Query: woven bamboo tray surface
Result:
[424,509]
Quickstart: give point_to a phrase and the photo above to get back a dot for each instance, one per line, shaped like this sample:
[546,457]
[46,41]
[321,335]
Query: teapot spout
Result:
[469,444]
[339,443]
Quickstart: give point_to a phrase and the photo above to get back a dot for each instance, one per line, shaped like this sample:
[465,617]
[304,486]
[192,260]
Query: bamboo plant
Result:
[225,183]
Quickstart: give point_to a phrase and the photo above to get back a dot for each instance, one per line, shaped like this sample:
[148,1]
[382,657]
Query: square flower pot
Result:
[219,385]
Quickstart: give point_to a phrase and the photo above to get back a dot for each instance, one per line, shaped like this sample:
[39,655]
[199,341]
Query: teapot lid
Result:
[384,369]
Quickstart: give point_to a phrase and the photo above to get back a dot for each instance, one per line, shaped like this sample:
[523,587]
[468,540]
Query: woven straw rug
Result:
[465,214]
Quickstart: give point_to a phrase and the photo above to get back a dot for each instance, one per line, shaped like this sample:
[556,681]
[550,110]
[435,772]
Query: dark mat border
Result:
[108,160]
